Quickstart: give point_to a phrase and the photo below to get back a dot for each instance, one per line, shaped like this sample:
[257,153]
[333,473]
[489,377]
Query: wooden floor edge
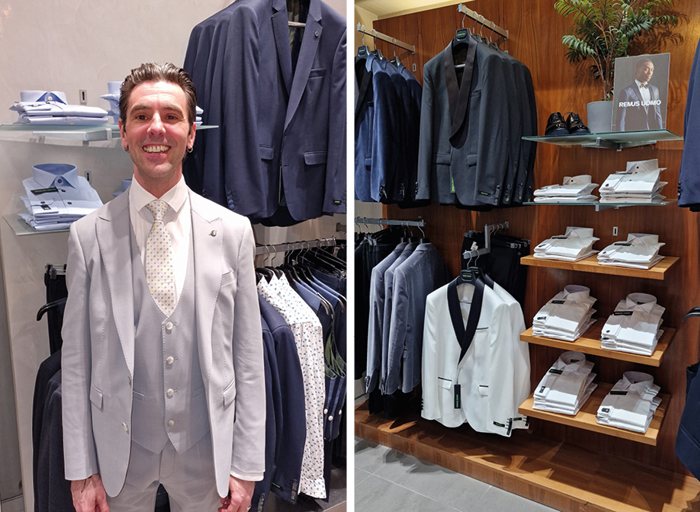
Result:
[684,490]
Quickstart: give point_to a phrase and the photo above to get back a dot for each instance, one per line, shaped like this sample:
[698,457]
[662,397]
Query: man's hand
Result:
[239,497]
[89,495]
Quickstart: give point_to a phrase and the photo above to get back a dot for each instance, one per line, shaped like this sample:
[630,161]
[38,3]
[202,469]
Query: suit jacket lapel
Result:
[459,108]
[465,336]
[113,230]
[309,45]
[364,86]
[281,31]
[207,237]
[638,92]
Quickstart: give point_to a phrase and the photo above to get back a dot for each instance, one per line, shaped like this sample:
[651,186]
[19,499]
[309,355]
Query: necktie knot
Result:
[158,208]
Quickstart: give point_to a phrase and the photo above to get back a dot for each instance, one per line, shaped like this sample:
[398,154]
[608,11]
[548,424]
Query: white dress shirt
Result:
[634,326]
[567,315]
[639,182]
[567,384]
[576,244]
[56,196]
[177,221]
[631,403]
[42,107]
[641,250]
[573,189]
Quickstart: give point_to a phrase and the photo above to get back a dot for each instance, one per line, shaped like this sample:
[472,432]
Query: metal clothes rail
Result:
[488,230]
[390,222]
[483,21]
[295,246]
[378,35]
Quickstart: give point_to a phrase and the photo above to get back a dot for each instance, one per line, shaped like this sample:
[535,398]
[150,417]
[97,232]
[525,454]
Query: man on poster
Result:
[639,104]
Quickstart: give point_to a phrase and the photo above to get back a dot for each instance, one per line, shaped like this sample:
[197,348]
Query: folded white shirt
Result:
[572,187]
[567,315]
[567,384]
[577,199]
[641,250]
[631,403]
[634,326]
[639,182]
[66,120]
[576,244]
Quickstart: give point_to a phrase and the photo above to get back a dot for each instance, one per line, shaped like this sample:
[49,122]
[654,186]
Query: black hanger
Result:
[47,307]
[693,312]
[468,276]
[362,54]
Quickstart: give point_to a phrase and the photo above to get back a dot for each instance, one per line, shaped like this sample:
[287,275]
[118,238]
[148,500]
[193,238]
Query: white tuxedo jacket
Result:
[98,348]
[490,374]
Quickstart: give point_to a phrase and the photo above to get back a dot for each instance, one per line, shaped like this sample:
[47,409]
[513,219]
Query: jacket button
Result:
[171,423]
[126,427]
[170,360]
[169,326]
[330,418]
[170,393]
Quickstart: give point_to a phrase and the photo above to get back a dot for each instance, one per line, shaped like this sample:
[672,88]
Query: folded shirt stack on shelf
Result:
[575,245]
[639,183]
[567,315]
[49,108]
[631,403]
[634,326]
[641,250]
[567,385]
[57,197]
[574,189]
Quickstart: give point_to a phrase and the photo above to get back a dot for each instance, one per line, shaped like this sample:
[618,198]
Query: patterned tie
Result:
[159,260]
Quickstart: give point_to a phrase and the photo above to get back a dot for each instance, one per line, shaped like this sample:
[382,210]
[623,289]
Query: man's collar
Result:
[51,175]
[642,85]
[175,197]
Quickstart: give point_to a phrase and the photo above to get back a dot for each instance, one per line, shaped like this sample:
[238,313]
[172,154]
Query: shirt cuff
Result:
[250,477]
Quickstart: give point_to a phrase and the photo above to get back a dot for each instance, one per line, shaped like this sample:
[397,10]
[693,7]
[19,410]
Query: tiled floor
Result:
[391,481]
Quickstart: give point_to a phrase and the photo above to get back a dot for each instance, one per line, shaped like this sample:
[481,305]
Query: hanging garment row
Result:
[305,377]
[477,104]
[276,90]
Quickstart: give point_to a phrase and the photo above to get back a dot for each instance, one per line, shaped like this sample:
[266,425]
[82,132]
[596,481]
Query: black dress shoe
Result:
[556,125]
[575,125]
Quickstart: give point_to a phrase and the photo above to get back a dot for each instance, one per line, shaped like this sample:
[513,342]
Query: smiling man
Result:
[162,366]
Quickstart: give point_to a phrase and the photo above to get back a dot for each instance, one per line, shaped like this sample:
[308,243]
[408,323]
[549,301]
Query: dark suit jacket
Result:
[282,131]
[639,117]
[465,132]
[689,179]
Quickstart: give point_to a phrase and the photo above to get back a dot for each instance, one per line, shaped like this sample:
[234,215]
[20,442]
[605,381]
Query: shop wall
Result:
[535,39]
[67,46]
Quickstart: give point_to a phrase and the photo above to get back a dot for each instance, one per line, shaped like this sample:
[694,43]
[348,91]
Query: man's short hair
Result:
[151,72]
[641,62]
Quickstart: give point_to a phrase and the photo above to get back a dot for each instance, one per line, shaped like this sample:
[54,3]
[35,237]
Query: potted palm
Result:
[602,31]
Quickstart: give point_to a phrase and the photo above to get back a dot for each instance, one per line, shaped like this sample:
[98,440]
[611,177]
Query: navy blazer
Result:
[282,130]
[640,117]
[689,179]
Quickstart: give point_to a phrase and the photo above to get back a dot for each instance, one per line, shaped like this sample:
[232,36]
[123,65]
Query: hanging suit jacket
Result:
[282,132]
[688,178]
[464,129]
[468,370]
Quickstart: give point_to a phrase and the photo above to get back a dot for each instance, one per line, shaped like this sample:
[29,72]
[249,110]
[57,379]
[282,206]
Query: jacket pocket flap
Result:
[230,393]
[471,159]
[315,157]
[266,152]
[444,383]
[227,278]
[96,397]
[442,158]
[483,390]
[317,72]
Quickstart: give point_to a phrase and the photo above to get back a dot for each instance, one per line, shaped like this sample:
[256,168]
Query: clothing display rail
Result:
[389,222]
[488,231]
[483,21]
[295,246]
[378,35]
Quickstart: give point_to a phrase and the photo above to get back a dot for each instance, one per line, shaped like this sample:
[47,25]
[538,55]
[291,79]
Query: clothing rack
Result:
[389,222]
[378,35]
[483,21]
[295,246]
[488,229]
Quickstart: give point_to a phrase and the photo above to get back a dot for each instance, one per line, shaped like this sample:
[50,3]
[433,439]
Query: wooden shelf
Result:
[538,468]
[591,264]
[586,417]
[589,343]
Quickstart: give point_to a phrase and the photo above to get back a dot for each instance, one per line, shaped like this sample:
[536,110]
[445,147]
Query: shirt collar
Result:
[642,239]
[582,179]
[571,360]
[50,175]
[43,96]
[576,293]
[637,381]
[639,84]
[574,232]
[175,197]
[640,302]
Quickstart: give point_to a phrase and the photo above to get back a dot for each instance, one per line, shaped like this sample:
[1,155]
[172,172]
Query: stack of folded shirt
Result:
[575,245]
[567,315]
[56,197]
[567,384]
[112,97]
[41,108]
[634,326]
[641,250]
[639,183]
[631,403]
[576,189]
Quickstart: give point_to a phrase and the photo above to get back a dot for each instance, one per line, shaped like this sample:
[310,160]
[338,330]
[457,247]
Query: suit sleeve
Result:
[386,142]
[335,196]
[622,111]
[398,331]
[502,370]
[248,456]
[430,409]
[425,145]
[657,111]
[78,441]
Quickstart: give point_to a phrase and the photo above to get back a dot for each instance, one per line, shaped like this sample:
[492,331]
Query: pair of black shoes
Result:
[573,125]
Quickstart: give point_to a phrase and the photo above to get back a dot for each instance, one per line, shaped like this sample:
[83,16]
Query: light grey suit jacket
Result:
[98,348]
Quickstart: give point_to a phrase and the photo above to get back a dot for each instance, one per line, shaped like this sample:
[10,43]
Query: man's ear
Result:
[122,133]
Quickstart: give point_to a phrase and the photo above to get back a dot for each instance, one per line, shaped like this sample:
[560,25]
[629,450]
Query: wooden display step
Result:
[589,343]
[586,417]
[590,264]
[543,470]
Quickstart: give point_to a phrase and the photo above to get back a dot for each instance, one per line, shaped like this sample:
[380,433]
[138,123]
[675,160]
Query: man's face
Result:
[645,71]
[157,132]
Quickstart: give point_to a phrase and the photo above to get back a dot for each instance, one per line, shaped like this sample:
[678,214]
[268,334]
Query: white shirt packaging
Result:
[634,326]
[567,315]
[631,403]
[567,385]
[638,183]
[573,189]
[640,250]
[576,244]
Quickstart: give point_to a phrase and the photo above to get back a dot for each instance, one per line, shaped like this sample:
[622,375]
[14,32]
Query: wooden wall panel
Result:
[535,39]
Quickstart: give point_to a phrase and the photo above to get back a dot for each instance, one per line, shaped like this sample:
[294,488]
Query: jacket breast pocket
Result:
[96,397]
[227,278]
[313,158]
[230,394]
[316,73]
